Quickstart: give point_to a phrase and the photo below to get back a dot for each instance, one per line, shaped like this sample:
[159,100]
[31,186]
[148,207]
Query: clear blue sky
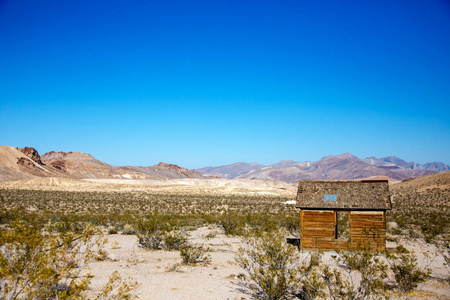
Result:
[200,83]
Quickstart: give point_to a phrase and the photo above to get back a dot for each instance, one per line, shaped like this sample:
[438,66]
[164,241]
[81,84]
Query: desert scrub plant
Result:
[232,224]
[151,233]
[446,256]
[360,275]
[161,232]
[275,269]
[117,288]
[175,239]
[406,271]
[195,254]
[41,264]
[128,230]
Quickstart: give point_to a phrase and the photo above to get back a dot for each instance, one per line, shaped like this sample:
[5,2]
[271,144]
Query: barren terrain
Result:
[189,185]
[161,278]
[160,273]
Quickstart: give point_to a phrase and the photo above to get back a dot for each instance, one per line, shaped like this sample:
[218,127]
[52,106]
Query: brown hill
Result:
[430,193]
[26,163]
[18,163]
[420,207]
[77,165]
[439,181]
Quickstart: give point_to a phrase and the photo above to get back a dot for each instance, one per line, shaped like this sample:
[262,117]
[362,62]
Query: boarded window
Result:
[342,225]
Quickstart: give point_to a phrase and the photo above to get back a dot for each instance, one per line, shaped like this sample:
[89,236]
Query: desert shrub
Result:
[275,268]
[175,240]
[67,225]
[112,230]
[392,238]
[361,274]
[151,241]
[150,233]
[210,235]
[117,288]
[161,232]
[128,230]
[446,256]
[40,264]
[195,254]
[407,273]
[232,224]
[292,224]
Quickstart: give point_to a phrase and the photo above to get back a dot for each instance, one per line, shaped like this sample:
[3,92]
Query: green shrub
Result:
[407,273]
[175,240]
[151,241]
[36,264]
[275,268]
[39,263]
[112,230]
[195,254]
[231,224]
[128,230]
[117,288]
[361,274]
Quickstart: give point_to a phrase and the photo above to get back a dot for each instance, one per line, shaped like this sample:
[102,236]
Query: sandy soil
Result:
[152,269]
[158,279]
[189,185]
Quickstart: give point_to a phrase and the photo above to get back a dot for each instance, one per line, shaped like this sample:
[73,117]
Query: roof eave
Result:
[343,208]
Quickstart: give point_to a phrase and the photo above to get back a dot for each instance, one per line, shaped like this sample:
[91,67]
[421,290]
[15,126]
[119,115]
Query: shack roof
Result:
[344,195]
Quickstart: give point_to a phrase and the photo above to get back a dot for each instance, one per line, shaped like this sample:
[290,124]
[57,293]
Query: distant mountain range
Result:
[333,167]
[22,163]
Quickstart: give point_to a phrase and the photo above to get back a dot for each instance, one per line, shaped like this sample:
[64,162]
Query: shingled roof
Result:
[344,195]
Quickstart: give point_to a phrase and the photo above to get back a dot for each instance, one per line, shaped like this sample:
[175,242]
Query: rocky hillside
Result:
[333,167]
[17,163]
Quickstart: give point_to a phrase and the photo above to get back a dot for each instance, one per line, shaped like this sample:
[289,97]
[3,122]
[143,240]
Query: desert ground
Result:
[188,185]
[162,275]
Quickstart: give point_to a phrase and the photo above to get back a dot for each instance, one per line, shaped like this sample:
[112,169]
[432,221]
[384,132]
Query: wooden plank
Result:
[367,221]
[315,224]
[363,233]
[367,213]
[301,227]
[325,245]
[368,226]
[368,229]
[312,230]
[320,219]
[318,212]
[371,218]
[350,226]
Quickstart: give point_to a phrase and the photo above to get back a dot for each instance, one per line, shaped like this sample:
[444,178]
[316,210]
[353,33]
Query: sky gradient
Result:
[201,83]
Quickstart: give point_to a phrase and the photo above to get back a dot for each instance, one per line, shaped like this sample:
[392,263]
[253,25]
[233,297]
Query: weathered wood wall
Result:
[318,230]
[363,221]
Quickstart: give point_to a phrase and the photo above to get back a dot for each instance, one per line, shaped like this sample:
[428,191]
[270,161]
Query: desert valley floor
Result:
[162,275]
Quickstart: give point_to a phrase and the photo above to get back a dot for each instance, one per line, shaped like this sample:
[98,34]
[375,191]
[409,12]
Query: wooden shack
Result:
[335,214]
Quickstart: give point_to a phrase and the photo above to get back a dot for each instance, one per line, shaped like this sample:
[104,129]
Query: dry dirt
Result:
[158,278]
[188,185]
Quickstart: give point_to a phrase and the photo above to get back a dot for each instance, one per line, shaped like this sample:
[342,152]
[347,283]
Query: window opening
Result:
[342,225]
[330,197]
